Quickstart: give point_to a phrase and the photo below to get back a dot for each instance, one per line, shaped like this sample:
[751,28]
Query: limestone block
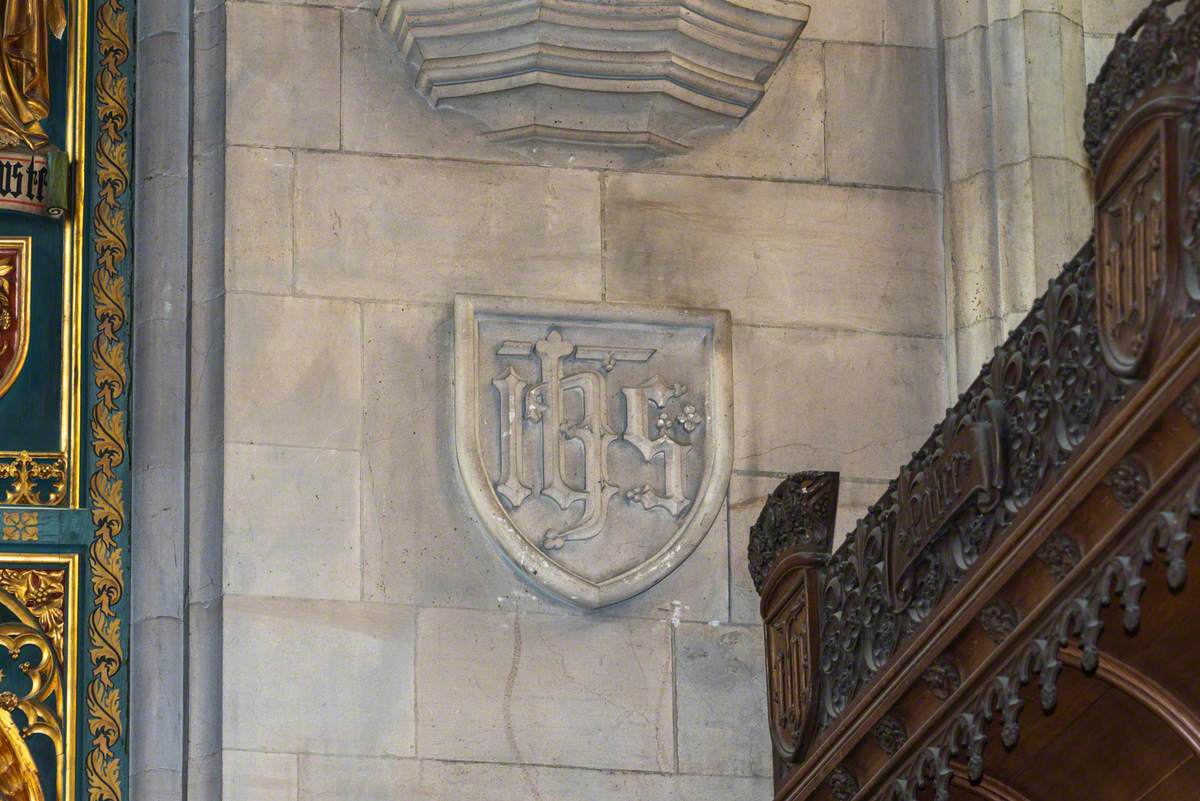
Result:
[1007,54]
[911,24]
[204,778]
[422,542]
[293,373]
[846,21]
[1095,52]
[326,677]
[381,113]
[617,75]
[291,522]
[974,256]
[404,229]
[721,697]
[255,776]
[959,16]
[1063,214]
[776,253]
[204,680]
[748,494]
[324,778]
[975,345]
[1056,87]
[1110,16]
[282,75]
[544,690]
[157,686]
[882,121]
[879,397]
[207,353]
[258,220]
[205,524]
[968,104]
[1070,9]
[785,136]
[332,778]
[1015,221]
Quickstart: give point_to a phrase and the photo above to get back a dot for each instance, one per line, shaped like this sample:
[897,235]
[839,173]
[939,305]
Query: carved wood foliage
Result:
[799,514]
[889,733]
[1028,410]
[1060,554]
[942,678]
[1161,537]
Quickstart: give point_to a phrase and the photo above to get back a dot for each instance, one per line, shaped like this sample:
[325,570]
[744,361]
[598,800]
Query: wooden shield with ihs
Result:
[14,308]
[791,627]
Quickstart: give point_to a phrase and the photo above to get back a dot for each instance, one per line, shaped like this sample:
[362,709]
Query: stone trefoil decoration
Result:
[594,440]
[627,75]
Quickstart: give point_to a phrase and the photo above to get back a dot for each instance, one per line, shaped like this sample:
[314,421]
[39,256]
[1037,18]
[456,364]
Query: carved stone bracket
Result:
[623,75]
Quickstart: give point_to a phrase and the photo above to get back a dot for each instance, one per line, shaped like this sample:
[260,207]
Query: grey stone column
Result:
[160,388]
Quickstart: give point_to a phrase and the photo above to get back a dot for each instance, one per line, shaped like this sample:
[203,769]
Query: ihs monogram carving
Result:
[594,440]
[1131,261]
[544,401]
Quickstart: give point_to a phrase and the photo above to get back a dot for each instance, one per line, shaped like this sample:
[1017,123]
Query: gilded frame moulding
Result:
[42,591]
[74,227]
[592,524]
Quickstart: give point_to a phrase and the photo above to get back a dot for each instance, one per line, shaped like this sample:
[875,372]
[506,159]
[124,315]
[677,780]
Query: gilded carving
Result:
[42,593]
[20,527]
[106,487]
[33,479]
[25,69]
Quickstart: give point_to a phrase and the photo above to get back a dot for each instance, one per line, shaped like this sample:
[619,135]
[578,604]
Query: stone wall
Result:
[372,641]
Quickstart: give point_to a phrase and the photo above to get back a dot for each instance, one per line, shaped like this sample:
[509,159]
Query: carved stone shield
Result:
[14,308]
[595,440]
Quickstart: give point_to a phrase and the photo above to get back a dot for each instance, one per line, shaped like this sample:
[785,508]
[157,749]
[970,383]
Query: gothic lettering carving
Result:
[595,473]
[1131,268]
[789,670]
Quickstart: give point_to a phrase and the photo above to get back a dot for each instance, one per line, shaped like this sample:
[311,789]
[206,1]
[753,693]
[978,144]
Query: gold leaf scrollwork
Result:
[102,764]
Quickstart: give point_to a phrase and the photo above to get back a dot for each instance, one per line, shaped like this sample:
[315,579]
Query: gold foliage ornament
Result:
[18,773]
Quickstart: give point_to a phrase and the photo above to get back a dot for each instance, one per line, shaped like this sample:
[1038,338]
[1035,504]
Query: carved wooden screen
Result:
[1037,546]
[64,375]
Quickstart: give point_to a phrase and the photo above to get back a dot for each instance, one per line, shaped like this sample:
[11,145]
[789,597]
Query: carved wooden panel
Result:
[1132,221]
[789,632]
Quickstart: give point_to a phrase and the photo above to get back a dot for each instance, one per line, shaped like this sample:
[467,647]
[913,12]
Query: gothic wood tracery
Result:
[1054,505]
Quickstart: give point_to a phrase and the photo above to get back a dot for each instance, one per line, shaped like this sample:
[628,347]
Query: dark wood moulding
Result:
[1014,618]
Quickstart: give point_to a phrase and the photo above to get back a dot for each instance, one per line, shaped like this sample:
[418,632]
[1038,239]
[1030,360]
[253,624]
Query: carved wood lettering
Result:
[1131,249]
[930,497]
